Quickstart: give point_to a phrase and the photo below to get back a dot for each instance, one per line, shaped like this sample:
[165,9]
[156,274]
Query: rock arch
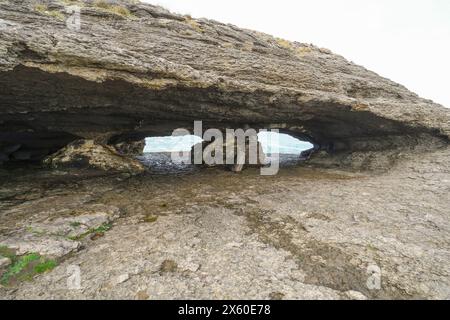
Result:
[58,85]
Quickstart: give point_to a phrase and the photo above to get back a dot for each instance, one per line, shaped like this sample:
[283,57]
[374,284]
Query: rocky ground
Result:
[208,233]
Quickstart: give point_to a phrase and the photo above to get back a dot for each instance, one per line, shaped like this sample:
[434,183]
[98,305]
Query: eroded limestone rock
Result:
[60,232]
[71,227]
[131,148]
[52,246]
[229,153]
[87,153]
[150,71]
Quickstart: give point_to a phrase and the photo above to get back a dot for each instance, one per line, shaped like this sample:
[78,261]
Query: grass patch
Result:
[103,228]
[150,218]
[121,11]
[102,4]
[7,253]
[25,267]
[72,3]
[100,230]
[284,43]
[115,9]
[300,51]
[37,232]
[193,24]
[75,224]
[42,8]
[45,266]
[168,266]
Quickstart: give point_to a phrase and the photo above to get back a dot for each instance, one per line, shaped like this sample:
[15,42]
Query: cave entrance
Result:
[289,149]
[157,151]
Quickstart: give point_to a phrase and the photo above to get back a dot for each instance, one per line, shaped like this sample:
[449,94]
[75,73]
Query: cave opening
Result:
[158,150]
[290,150]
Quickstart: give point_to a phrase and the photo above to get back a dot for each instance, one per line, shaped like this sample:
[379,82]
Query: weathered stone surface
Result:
[53,246]
[216,153]
[92,218]
[54,232]
[120,279]
[4,262]
[131,148]
[144,71]
[306,233]
[87,153]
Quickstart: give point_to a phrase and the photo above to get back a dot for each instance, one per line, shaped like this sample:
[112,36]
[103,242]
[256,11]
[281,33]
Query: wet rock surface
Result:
[305,233]
[162,164]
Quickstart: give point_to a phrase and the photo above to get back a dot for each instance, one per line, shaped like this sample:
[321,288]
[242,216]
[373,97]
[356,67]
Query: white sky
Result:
[407,41]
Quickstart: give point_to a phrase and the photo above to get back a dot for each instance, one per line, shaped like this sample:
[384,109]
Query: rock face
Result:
[229,153]
[87,153]
[131,148]
[136,70]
